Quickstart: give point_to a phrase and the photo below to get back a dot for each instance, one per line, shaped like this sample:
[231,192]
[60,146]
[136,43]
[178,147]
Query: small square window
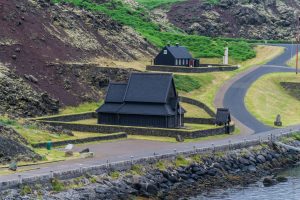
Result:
[165,52]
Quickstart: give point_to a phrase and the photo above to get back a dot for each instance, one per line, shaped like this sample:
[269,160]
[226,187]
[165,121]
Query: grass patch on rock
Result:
[82,108]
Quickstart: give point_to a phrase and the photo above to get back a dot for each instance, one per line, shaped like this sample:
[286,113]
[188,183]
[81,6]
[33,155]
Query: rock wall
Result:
[263,19]
[197,172]
[13,147]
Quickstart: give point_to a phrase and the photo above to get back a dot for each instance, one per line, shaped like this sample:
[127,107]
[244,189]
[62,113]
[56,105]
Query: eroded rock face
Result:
[35,33]
[18,99]
[266,19]
[17,151]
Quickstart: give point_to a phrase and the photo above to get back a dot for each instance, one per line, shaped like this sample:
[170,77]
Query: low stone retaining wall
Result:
[190,69]
[68,118]
[148,131]
[198,104]
[192,120]
[83,140]
[125,165]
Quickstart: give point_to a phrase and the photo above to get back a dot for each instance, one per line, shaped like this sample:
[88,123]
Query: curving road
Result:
[235,94]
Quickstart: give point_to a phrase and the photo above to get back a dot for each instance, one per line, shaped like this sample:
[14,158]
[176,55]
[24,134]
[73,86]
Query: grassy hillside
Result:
[139,19]
[152,4]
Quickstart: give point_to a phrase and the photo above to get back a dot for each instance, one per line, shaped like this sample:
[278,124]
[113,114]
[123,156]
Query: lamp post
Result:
[297,38]
[179,113]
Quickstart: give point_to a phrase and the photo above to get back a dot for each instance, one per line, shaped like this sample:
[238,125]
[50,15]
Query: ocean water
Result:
[289,190]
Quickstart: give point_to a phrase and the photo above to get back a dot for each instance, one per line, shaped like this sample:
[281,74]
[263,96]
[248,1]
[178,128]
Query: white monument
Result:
[225,57]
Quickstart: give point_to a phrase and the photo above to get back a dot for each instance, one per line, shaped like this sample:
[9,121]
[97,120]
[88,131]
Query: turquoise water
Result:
[283,191]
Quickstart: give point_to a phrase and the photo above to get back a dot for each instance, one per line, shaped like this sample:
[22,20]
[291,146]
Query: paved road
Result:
[234,96]
[123,149]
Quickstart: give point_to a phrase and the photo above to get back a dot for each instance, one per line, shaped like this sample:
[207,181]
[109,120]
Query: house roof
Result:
[146,109]
[223,115]
[109,108]
[179,52]
[115,92]
[148,87]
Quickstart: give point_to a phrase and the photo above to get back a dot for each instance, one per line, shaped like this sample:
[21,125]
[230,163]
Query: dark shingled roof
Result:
[110,108]
[179,52]
[146,109]
[148,87]
[116,92]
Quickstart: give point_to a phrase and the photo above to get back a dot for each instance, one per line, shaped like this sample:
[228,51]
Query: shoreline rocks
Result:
[179,178]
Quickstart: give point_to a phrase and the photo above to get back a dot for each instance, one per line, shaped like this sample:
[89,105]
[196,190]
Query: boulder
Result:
[269,181]
[281,179]
[179,138]
[69,153]
[87,150]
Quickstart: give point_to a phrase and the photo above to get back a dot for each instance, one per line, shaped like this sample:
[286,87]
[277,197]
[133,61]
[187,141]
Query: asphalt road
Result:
[123,150]
[235,95]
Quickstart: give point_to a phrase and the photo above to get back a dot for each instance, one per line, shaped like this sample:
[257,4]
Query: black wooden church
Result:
[176,56]
[148,99]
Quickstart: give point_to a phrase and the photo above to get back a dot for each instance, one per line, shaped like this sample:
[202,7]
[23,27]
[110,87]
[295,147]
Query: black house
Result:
[148,99]
[175,56]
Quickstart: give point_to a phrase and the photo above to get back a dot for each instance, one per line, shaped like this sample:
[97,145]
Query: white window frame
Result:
[165,52]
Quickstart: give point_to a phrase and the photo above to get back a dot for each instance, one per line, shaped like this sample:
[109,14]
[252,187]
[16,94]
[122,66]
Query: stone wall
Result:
[68,118]
[198,104]
[83,140]
[148,131]
[192,120]
[176,69]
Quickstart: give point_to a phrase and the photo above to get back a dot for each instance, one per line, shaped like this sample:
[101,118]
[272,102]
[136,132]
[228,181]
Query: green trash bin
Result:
[49,145]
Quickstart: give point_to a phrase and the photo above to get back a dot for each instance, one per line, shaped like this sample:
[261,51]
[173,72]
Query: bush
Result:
[114,174]
[25,190]
[57,185]
[181,161]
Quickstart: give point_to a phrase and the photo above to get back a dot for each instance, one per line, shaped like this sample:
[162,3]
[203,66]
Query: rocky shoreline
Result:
[180,178]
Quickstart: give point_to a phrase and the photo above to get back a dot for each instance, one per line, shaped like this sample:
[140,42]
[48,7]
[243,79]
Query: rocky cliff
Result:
[250,19]
[35,33]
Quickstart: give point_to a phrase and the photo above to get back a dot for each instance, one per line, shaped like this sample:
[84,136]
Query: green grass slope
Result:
[139,19]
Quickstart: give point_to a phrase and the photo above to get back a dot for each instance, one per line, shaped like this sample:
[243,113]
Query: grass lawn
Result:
[152,4]
[292,62]
[266,102]
[194,111]
[85,107]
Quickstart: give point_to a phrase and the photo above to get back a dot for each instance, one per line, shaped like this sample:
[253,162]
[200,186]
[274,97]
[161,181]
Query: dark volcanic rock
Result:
[17,151]
[264,19]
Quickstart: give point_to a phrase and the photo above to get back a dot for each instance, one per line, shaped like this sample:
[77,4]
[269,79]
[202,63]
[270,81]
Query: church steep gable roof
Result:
[148,87]
[179,52]
[115,93]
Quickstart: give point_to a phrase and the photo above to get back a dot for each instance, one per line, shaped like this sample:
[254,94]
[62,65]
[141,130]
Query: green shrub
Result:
[181,161]
[137,169]
[114,174]
[197,158]
[93,179]
[25,190]
[57,185]
[160,165]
